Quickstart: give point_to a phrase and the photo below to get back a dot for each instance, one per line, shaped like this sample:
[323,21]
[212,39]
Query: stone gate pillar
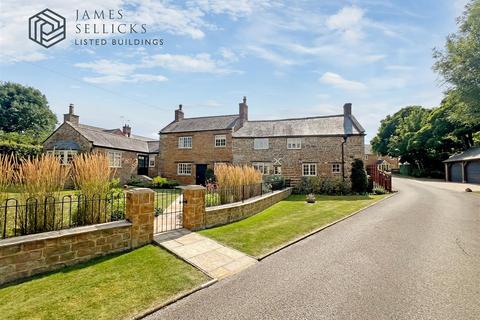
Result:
[140,212]
[194,207]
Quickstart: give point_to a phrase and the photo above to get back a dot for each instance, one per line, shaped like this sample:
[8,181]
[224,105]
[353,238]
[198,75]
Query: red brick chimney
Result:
[179,114]
[243,111]
[70,116]
[127,130]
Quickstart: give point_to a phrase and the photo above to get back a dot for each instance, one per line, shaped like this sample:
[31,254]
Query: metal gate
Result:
[168,210]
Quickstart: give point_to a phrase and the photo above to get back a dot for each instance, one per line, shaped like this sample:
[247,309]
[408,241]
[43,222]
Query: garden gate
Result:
[168,210]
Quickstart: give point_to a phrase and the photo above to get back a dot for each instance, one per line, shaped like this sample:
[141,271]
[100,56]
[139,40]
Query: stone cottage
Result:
[189,146]
[313,146]
[130,155]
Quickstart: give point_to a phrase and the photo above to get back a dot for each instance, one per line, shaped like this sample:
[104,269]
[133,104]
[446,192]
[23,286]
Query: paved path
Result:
[413,256]
[216,260]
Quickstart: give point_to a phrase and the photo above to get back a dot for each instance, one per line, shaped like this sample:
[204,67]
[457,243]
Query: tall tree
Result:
[459,64]
[25,110]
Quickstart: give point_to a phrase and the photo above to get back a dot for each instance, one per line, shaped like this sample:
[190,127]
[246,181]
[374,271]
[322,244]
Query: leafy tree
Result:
[359,177]
[25,110]
[459,61]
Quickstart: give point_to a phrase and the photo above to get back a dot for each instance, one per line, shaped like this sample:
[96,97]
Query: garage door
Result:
[473,172]
[456,172]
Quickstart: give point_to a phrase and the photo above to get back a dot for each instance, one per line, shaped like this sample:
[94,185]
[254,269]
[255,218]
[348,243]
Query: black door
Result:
[142,165]
[200,170]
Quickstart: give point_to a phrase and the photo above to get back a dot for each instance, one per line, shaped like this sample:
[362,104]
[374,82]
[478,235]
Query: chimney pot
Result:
[70,116]
[347,109]
[243,111]
[179,115]
[127,130]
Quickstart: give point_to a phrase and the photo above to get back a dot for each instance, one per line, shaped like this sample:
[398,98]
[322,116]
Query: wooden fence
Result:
[380,178]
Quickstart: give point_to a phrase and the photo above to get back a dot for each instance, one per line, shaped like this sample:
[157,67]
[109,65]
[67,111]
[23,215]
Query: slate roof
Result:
[312,126]
[467,155]
[106,138]
[202,124]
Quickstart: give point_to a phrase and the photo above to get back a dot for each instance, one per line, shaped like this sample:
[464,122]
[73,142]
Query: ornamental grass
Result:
[93,176]
[237,182]
[39,181]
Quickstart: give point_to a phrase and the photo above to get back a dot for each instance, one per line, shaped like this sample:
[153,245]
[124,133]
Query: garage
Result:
[456,172]
[473,172]
[464,167]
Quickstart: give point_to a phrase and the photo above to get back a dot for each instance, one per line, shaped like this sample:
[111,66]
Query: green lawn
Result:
[113,287]
[286,221]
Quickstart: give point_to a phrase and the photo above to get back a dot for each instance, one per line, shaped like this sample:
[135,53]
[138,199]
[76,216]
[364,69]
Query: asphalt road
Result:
[413,256]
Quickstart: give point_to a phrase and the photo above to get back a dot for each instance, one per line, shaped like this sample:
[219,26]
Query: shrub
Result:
[379,190]
[323,185]
[158,182]
[20,149]
[277,182]
[209,175]
[359,177]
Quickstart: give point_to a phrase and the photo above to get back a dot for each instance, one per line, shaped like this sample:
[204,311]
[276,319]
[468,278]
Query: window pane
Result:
[260,143]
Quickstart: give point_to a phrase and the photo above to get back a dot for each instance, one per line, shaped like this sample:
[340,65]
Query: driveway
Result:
[413,256]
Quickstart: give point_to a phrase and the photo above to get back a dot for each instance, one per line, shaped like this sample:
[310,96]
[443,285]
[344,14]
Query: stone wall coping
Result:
[247,201]
[193,187]
[64,233]
[139,190]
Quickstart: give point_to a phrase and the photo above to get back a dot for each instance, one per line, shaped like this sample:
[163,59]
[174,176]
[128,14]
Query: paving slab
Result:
[213,258]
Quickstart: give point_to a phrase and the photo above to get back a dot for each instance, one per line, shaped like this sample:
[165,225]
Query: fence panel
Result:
[22,216]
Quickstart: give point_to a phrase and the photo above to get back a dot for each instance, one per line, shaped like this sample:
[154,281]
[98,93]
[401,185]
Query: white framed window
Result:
[184,169]
[263,167]
[260,143]
[114,159]
[309,169]
[151,161]
[277,170]
[64,156]
[185,142]
[294,143]
[336,168]
[220,141]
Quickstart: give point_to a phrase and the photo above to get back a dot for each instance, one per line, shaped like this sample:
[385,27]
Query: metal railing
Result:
[22,216]
[216,195]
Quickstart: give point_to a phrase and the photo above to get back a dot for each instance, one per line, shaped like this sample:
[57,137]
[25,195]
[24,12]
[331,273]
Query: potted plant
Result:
[311,198]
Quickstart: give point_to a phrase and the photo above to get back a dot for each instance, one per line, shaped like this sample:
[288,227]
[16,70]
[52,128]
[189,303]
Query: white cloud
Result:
[116,72]
[347,21]
[338,81]
[202,63]
[237,9]
[270,56]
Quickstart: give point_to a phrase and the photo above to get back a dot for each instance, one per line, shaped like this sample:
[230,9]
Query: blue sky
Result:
[290,58]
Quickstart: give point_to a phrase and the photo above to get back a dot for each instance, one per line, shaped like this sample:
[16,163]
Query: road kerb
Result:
[154,309]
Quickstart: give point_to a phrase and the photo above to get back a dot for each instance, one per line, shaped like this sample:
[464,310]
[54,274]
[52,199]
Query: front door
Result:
[142,165]
[200,171]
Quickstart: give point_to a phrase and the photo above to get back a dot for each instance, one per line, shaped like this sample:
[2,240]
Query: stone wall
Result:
[197,217]
[29,255]
[224,214]
[322,150]
[203,151]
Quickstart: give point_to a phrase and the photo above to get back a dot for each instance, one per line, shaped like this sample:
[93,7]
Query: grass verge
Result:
[285,221]
[112,287]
